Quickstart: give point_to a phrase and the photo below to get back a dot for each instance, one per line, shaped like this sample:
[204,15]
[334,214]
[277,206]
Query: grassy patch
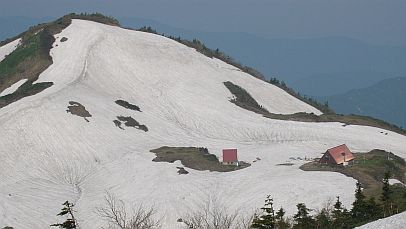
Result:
[127,105]
[194,158]
[369,169]
[243,98]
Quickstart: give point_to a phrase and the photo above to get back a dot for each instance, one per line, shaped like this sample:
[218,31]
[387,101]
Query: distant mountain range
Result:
[384,100]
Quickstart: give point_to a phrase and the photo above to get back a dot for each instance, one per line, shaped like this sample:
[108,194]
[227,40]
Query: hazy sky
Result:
[376,21]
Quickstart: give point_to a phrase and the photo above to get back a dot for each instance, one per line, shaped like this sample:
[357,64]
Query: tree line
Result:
[213,215]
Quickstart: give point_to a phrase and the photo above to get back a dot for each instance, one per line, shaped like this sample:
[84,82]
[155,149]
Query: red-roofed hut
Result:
[230,157]
[339,155]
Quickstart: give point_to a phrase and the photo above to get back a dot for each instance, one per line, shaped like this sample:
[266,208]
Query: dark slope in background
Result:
[329,68]
[385,100]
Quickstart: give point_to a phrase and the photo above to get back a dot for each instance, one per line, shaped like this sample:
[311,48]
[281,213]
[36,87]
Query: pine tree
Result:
[323,219]
[69,223]
[341,216]
[374,210]
[302,218]
[267,219]
[386,195]
[359,210]
[281,222]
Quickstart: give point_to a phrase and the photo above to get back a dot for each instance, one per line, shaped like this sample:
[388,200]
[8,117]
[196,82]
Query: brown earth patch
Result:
[194,158]
[78,109]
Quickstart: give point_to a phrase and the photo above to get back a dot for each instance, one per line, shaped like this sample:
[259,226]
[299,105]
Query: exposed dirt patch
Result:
[194,158]
[78,109]
[285,164]
[128,105]
[118,124]
[130,122]
[182,170]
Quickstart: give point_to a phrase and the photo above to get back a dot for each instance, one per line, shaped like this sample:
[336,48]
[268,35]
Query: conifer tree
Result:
[70,222]
[341,216]
[267,219]
[302,218]
[323,219]
[359,210]
[386,195]
[374,210]
[281,222]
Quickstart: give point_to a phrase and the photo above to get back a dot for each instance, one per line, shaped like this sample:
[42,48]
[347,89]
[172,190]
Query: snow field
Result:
[49,156]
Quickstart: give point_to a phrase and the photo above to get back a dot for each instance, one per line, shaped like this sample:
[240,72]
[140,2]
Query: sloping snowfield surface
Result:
[394,222]
[49,156]
[8,48]
[13,87]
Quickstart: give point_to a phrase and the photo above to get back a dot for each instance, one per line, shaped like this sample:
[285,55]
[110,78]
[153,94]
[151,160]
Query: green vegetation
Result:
[194,158]
[32,57]
[244,99]
[368,168]
[373,171]
[364,210]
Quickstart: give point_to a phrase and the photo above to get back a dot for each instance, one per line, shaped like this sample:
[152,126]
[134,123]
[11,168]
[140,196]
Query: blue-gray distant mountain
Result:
[385,100]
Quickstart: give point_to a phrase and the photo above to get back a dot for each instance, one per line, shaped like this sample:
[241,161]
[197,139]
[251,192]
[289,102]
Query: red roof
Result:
[230,155]
[338,153]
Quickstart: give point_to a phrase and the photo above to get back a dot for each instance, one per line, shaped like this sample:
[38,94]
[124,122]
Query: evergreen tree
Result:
[302,218]
[267,219]
[281,222]
[70,222]
[359,210]
[341,216]
[386,195]
[323,219]
[374,210]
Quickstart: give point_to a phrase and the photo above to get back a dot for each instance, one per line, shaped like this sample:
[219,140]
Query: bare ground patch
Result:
[194,158]
[130,122]
[78,109]
[128,105]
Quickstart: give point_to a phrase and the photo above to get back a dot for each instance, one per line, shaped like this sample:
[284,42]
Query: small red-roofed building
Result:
[339,155]
[230,157]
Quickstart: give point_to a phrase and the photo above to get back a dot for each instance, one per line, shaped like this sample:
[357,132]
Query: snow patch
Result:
[8,48]
[395,181]
[13,88]
[397,221]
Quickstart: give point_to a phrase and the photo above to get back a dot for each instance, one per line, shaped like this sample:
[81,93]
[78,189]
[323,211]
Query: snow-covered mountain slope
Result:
[49,155]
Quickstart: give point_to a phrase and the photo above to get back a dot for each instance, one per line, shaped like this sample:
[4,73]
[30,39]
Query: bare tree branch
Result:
[115,213]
